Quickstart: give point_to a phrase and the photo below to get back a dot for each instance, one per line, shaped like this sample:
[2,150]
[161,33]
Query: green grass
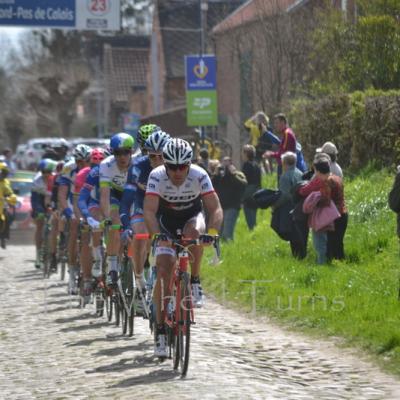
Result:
[356,299]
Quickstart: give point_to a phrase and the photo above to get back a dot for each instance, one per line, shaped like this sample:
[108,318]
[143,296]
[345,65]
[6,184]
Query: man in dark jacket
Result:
[230,184]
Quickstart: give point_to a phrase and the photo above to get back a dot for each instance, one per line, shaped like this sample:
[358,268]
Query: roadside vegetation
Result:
[356,299]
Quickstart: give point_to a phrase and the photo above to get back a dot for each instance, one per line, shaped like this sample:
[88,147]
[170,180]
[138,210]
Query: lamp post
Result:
[203,32]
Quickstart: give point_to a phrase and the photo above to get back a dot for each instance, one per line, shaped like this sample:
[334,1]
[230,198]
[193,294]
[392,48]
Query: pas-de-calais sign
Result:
[62,14]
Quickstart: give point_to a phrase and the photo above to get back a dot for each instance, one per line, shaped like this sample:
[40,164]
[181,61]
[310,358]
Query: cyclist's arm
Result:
[214,210]
[128,197]
[83,200]
[150,208]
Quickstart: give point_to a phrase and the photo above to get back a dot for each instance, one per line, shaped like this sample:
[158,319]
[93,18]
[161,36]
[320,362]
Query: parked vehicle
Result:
[92,142]
[19,157]
[35,148]
[21,184]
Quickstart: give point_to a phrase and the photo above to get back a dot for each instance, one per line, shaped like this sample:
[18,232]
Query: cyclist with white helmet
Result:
[134,191]
[40,200]
[113,174]
[81,159]
[177,194]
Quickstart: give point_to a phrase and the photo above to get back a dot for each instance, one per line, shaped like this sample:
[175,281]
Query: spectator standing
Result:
[203,160]
[7,153]
[330,149]
[289,179]
[229,184]
[328,245]
[252,172]
[287,138]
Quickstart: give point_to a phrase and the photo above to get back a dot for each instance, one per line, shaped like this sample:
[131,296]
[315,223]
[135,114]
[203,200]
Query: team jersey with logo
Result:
[182,201]
[68,174]
[111,176]
[81,179]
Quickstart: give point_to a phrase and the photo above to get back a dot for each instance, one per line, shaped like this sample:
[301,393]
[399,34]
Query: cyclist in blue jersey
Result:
[134,192]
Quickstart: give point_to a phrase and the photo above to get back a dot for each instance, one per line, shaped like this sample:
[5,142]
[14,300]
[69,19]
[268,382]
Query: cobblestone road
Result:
[50,349]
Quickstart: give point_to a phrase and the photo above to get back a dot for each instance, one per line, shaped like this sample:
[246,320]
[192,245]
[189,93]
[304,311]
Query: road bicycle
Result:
[179,315]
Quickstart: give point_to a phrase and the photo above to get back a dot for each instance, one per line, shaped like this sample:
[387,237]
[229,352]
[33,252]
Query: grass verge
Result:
[356,299]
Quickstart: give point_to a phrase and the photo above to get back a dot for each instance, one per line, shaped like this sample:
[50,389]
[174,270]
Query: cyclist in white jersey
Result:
[81,160]
[177,195]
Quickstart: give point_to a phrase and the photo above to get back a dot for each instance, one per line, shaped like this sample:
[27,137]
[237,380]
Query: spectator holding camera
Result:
[229,184]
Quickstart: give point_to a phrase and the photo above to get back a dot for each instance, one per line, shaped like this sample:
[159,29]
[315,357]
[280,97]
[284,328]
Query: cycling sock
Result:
[141,281]
[97,253]
[112,262]
[194,279]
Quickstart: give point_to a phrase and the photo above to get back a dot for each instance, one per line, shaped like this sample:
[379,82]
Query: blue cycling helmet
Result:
[156,141]
[47,165]
[122,141]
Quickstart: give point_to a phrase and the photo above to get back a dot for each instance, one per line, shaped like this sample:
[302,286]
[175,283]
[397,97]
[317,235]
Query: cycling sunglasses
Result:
[153,156]
[176,167]
[122,152]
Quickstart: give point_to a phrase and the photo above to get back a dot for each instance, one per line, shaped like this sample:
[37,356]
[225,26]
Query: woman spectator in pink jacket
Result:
[328,245]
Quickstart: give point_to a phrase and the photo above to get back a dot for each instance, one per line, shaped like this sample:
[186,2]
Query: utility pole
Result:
[203,33]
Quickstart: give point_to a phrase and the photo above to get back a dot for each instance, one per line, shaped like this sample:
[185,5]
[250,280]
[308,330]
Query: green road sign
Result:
[201,107]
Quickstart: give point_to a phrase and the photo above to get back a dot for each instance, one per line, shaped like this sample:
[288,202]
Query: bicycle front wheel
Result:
[183,321]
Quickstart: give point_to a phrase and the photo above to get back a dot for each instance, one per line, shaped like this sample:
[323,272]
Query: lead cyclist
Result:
[177,196]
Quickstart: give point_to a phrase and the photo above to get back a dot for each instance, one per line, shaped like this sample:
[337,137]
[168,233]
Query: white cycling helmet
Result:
[82,152]
[177,151]
[156,141]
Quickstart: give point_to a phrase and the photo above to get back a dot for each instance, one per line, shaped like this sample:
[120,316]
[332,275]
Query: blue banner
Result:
[51,13]
[201,72]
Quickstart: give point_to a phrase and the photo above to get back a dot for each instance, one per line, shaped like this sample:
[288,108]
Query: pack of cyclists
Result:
[144,186]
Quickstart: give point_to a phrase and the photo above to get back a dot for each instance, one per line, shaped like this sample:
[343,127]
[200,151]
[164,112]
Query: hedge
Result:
[365,126]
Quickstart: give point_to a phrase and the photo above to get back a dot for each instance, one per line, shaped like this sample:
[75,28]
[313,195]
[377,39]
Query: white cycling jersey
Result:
[184,201]
[111,176]
[39,186]
[68,173]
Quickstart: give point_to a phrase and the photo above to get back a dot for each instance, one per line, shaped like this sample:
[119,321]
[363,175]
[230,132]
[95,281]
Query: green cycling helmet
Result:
[145,131]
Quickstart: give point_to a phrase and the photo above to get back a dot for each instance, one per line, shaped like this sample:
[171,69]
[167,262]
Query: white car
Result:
[35,148]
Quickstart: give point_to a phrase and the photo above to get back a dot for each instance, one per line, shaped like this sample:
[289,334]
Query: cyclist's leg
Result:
[164,262]
[72,248]
[113,243]
[96,241]
[86,254]
[193,229]
[139,249]
[53,239]
[39,222]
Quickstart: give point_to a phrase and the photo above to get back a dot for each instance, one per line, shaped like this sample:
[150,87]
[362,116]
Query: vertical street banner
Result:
[61,14]
[201,90]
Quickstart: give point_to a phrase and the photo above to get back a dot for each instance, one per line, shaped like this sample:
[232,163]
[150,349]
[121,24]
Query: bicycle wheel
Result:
[99,301]
[131,301]
[109,305]
[45,254]
[117,308]
[182,332]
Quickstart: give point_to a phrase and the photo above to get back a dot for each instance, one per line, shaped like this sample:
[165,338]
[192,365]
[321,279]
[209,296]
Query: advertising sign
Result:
[62,14]
[201,93]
